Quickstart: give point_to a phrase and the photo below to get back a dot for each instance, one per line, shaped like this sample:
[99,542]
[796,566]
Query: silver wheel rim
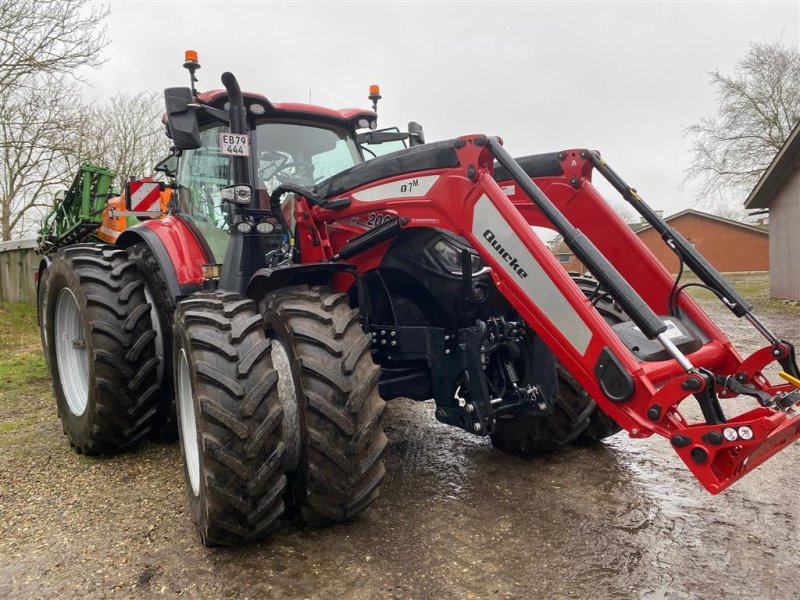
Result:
[72,355]
[191,451]
[287,394]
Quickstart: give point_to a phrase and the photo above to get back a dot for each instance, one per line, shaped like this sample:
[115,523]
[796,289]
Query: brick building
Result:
[565,256]
[728,245]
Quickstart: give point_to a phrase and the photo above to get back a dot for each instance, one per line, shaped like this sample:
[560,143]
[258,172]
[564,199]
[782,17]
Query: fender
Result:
[179,253]
[265,281]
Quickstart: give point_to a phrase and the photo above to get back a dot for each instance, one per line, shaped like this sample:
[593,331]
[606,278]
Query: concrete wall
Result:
[18,265]
[784,246]
[728,247]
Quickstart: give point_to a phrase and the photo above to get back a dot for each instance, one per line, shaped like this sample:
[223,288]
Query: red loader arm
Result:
[643,396]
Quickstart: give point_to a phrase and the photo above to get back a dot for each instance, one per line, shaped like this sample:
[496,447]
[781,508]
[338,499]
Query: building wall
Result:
[569,261]
[784,247]
[728,247]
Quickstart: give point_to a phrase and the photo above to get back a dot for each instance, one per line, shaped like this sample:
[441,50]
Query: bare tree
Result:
[39,127]
[759,105]
[48,37]
[43,43]
[623,210]
[126,135]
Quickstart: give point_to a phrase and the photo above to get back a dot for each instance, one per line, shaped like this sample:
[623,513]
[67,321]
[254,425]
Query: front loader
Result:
[294,287]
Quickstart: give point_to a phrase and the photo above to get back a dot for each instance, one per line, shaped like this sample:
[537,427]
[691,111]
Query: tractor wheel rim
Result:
[191,450]
[287,394]
[72,353]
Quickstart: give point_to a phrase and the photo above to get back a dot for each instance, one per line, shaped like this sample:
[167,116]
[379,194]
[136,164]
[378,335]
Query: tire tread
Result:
[343,439]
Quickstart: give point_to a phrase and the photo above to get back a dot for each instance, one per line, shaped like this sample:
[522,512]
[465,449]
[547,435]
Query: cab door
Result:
[202,172]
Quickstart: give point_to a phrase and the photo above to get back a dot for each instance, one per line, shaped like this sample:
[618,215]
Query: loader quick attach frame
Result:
[643,396]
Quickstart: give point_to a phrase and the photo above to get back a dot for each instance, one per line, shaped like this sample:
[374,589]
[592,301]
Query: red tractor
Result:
[294,287]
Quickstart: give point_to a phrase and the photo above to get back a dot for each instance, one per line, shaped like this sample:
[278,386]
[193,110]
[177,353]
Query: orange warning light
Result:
[374,89]
[190,56]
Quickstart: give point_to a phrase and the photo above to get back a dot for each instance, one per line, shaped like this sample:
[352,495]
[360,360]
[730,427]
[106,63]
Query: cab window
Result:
[302,154]
[201,174]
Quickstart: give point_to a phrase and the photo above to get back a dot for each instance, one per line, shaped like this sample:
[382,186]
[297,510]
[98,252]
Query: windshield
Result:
[302,154]
[295,152]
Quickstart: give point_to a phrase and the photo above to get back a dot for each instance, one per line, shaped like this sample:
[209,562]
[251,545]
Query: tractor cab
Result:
[275,144]
[228,138]
[281,148]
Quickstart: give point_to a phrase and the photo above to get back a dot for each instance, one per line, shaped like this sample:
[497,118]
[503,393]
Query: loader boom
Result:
[643,396]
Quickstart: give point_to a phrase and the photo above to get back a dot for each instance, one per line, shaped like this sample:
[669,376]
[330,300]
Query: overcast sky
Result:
[622,77]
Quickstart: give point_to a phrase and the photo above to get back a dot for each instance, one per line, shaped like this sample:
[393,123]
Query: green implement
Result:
[78,213]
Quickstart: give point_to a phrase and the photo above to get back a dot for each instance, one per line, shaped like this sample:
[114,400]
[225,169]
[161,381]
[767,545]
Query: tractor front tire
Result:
[601,425]
[229,419]
[328,384]
[101,348]
[162,314]
[529,434]
[576,417]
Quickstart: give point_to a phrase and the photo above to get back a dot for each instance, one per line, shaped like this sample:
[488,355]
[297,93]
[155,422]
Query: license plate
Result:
[234,144]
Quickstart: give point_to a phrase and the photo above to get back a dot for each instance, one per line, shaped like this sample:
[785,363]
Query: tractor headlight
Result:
[265,227]
[237,194]
[257,109]
[449,255]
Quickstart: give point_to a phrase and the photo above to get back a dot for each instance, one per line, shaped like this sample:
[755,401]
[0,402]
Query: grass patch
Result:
[12,426]
[753,286]
[19,329]
[21,359]
[20,370]
[24,379]
[23,371]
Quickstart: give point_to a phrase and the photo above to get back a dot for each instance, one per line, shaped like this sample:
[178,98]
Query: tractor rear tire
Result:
[230,419]
[163,317]
[41,311]
[101,348]
[329,387]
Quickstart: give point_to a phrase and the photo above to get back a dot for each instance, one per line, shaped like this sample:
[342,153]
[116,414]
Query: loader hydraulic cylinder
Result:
[679,244]
[585,250]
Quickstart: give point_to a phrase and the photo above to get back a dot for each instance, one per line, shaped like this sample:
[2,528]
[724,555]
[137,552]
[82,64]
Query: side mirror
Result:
[181,118]
[416,137]
[381,137]
[168,166]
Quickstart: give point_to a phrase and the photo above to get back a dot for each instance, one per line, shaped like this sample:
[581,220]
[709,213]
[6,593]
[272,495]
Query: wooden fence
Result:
[18,265]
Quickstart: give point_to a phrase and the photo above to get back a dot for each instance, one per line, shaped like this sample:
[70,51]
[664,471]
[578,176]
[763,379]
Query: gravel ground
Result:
[456,518]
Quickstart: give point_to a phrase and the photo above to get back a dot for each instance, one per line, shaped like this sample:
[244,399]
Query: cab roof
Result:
[347,117]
